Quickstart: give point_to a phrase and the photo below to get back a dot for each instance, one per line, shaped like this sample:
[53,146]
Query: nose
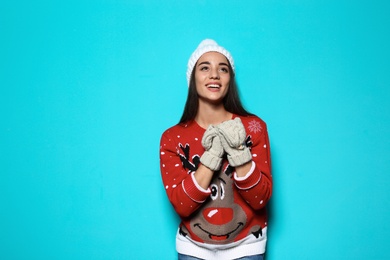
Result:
[214,74]
[218,216]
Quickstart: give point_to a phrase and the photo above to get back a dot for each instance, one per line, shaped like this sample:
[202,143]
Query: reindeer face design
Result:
[221,219]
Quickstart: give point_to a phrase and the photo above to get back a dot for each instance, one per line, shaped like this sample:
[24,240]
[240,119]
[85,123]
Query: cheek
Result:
[226,80]
[198,84]
[227,83]
[199,78]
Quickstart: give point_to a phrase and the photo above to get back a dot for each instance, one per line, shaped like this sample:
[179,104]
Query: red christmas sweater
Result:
[232,208]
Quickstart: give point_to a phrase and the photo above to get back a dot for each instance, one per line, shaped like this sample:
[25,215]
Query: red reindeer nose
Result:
[218,216]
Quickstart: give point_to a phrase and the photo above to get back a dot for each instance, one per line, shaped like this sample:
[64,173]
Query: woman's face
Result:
[212,77]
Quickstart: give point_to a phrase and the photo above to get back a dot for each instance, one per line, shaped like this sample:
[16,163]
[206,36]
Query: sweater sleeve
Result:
[256,186]
[180,185]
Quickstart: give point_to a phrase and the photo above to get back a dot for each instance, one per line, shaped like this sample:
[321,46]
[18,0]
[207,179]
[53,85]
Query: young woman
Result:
[216,165]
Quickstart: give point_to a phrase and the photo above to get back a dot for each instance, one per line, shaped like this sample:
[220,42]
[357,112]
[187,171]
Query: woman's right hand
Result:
[212,157]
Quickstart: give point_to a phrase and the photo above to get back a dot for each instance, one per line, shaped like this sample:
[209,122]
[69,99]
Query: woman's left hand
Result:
[232,134]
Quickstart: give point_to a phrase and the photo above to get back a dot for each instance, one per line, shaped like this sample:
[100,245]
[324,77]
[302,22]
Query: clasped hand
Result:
[227,137]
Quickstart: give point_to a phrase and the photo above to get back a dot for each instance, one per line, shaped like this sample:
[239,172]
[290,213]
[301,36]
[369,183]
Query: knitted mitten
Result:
[212,157]
[232,134]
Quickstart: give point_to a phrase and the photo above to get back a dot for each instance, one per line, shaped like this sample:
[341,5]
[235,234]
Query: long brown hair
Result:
[231,101]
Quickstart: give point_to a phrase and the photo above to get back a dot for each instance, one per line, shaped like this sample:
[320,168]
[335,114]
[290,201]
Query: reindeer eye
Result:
[222,191]
[214,191]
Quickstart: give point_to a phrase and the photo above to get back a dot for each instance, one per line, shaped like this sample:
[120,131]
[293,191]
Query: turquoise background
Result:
[88,87]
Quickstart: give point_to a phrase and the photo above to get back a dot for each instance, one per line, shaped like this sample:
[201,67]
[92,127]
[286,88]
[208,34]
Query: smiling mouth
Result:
[219,237]
[215,86]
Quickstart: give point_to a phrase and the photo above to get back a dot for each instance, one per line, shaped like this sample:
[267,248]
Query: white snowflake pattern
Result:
[254,126]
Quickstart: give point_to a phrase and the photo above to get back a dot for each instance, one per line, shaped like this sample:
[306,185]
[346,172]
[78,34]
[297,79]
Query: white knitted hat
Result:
[206,45]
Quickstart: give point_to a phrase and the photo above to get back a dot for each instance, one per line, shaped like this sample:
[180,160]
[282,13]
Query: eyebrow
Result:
[208,63]
[221,180]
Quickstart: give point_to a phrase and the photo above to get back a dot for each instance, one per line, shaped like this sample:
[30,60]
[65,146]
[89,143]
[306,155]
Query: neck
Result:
[210,114]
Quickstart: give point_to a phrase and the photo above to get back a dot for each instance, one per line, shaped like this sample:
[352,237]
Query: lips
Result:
[213,85]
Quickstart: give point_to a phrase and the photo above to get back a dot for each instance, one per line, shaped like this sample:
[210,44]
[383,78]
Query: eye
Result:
[214,191]
[222,191]
[204,68]
[224,69]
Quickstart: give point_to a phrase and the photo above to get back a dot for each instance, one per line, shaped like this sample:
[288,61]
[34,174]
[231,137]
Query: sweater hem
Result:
[244,247]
